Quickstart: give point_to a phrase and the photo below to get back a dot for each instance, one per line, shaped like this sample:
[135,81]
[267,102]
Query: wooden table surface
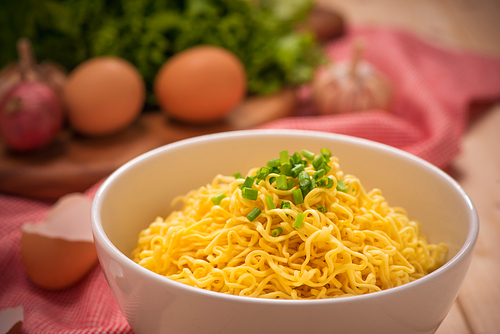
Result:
[472,25]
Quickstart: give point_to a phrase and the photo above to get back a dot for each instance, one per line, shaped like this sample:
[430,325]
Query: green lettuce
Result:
[147,32]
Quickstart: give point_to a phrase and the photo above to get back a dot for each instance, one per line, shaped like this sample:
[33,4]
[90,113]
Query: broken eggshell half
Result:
[59,252]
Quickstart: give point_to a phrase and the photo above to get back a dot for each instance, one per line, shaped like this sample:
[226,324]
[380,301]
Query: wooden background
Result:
[471,25]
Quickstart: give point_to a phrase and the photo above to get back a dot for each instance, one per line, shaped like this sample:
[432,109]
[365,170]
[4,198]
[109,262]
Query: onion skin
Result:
[31,116]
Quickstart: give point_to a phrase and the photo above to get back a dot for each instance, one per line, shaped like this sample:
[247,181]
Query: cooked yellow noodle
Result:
[360,245]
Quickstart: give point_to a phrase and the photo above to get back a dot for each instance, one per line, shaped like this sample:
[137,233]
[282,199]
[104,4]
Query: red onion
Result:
[31,116]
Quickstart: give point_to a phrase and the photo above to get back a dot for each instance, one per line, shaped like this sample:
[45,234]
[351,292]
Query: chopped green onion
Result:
[238,175]
[289,184]
[298,220]
[248,182]
[272,179]
[321,209]
[253,214]
[306,185]
[297,169]
[217,198]
[304,179]
[277,231]
[323,166]
[286,169]
[275,170]
[307,154]
[341,186]
[329,183]
[285,205]
[307,190]
[326,152]
[250,193]
[318,162]
[281,182]
[284,157]
[297,196]
[296,158]
[325,182]
[319,174]
[270,203]
[262,173]
[273,163]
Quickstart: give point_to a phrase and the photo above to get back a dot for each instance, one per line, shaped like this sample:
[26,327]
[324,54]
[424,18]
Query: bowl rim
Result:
[101,237]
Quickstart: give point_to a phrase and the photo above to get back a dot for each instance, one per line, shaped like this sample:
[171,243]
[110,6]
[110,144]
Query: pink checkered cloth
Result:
[434,88]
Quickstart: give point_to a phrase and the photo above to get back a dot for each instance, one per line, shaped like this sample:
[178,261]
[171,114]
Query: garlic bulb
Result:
[351,86]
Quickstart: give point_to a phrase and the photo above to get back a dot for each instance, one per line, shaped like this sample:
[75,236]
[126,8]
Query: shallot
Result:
[31,111]
[31,116]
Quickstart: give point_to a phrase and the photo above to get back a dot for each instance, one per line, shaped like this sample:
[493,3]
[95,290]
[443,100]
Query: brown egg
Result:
[103,95]
[201,84]
[59,252]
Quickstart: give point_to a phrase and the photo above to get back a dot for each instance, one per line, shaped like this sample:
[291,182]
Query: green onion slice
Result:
[281,182]
[325,182]
[249,193]
[297,196]
[326,152]
[285,205]
[318,162]
[297,169]
[270,203]
[277,231]
[304,179]
[273,163]
[238,175]
[296,158]
[286,169]
[262,173]
[284,159]
[275,170]
[321,209]
[328,182]
[298,220]
[319,174]
[217,198]
[307,154]
[341,186]
[253,214]
[248,182]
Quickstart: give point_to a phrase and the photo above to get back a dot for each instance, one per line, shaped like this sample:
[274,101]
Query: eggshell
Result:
[11,320]
[103,95]
[201,84]
[60,251]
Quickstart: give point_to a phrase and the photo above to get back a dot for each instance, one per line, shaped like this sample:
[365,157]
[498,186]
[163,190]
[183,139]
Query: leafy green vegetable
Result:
[148,32]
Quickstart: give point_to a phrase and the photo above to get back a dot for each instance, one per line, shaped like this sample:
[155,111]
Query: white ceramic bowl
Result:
[143,188]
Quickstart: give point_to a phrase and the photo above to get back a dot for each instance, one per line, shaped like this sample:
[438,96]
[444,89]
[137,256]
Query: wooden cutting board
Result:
[75,162]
